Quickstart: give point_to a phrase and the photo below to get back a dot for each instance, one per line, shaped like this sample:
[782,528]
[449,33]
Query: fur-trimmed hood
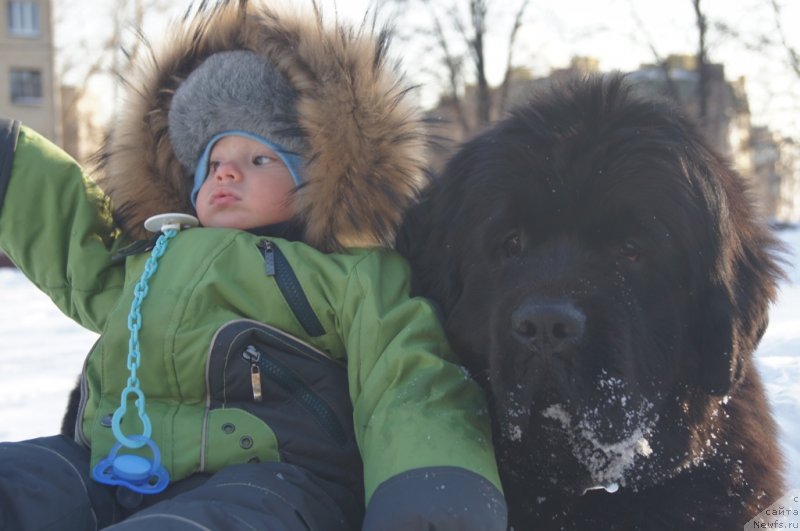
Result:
[366,145]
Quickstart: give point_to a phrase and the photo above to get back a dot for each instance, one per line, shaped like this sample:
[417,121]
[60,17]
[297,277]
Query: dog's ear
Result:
[735,308]
[411,233]
[721,361]
[424,240]
[411,241]
[740,275]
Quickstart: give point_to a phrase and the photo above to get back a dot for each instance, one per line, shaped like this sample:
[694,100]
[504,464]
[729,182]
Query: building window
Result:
[26,86]
[23,19]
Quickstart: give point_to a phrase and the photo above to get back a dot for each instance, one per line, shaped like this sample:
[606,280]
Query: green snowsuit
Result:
[413,405]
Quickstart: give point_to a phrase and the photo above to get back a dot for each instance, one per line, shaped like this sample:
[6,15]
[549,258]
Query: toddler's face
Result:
[247,186]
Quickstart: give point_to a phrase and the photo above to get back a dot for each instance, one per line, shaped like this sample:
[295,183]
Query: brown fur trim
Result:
[366,140]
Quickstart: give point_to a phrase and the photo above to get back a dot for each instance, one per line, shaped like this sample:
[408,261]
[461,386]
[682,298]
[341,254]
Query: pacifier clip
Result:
[135,472]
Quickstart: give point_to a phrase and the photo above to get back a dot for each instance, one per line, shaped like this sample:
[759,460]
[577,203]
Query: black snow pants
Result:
[45,485]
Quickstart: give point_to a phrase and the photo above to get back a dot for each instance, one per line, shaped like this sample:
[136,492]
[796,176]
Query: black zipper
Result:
[269,257]
[277,266]
[286,379]
[80,438]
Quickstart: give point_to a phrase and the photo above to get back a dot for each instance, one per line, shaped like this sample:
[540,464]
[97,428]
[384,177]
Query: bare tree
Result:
[701,64]
[792,53]
[454,67]
[658,58]
[502,100]
[702,61]
[99,54]
[457,32]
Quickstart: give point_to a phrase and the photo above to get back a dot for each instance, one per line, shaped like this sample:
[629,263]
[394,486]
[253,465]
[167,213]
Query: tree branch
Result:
[453,65]
[502,99]
[794,56]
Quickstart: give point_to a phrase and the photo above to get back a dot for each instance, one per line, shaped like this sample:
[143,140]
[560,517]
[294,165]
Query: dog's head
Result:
[598,268]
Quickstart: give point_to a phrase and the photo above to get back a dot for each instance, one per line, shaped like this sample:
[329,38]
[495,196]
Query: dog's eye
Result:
[512,245]
[630,251]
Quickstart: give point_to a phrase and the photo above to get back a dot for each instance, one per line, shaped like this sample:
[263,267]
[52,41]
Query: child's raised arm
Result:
[54,225]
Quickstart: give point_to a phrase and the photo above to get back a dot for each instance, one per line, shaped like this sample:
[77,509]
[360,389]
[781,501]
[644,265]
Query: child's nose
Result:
[227,171]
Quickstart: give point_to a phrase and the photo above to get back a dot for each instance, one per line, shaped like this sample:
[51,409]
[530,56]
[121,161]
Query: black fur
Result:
[71,414]
[601,273]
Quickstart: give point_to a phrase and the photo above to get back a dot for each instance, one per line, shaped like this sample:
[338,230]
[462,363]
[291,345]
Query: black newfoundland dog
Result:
[601,273]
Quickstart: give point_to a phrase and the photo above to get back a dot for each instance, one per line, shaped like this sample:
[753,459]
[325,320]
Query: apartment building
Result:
[27,90]
[26,69]
[773,169]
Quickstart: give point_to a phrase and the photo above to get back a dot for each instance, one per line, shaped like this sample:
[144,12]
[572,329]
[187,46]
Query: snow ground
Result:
[42,351]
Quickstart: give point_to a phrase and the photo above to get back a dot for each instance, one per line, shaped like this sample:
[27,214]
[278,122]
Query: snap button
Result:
[254,460]
[105,421]
[246,442]
[228,428]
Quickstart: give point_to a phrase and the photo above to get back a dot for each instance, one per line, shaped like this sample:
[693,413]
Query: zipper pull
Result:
[252,355]
[269,257]
[255,379]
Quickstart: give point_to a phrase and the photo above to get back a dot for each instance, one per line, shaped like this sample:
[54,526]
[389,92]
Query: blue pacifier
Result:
[136,472]
[133,471]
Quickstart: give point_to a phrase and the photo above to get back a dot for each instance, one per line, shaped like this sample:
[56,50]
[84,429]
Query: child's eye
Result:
[261,160]
[212,166]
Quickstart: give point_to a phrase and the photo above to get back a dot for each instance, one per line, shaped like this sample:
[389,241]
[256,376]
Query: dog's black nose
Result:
[548,327]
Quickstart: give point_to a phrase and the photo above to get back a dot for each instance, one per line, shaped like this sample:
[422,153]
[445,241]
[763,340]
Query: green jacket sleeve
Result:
[414,407]
[54,225]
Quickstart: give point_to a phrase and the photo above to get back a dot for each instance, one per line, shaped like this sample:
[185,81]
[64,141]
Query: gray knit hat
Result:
[235,92]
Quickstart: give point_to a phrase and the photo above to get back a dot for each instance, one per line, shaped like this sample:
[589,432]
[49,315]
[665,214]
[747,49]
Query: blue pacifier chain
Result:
[140,474]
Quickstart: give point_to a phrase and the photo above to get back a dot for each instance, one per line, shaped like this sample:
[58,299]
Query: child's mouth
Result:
[222,198]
